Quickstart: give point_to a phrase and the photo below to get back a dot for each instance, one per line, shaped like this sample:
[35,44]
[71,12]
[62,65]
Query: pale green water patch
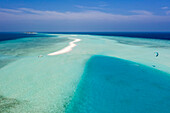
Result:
[12,50]
[47,83]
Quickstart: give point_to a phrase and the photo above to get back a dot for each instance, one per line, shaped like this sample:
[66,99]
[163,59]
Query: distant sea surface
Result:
[152,35]
[16,35]
[91,72]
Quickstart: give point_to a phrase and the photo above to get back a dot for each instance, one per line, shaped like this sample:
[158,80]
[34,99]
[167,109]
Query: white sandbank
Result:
[66,49]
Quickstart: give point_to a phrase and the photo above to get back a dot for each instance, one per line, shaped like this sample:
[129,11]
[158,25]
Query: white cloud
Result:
[88,19]
[40,12]
[99,6]
[87,7]
[141,12]
[10,10]
[89,15]
[165,7]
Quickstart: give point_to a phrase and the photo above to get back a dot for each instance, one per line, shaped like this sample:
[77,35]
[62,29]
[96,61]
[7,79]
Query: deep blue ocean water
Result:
[112,85]
[16,35]
[153,35]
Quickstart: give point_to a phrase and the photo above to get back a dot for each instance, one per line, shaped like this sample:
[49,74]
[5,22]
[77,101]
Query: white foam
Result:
[73,35]
[66,49]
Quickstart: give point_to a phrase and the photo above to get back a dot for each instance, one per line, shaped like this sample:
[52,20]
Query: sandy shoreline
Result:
[66,49]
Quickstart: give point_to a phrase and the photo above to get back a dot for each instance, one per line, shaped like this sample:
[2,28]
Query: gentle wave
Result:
[66,49]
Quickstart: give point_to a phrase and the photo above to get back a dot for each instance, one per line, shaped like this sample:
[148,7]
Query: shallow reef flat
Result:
[121,74]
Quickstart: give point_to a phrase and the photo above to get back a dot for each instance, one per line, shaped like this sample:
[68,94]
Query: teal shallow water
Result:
[78,81]
[111,85]
[12,50]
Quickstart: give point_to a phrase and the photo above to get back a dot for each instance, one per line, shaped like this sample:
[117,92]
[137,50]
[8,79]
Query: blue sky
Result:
[84,15]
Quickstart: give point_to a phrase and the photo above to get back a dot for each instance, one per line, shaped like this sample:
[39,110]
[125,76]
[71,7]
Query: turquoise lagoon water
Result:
[111,85]
[102,74]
